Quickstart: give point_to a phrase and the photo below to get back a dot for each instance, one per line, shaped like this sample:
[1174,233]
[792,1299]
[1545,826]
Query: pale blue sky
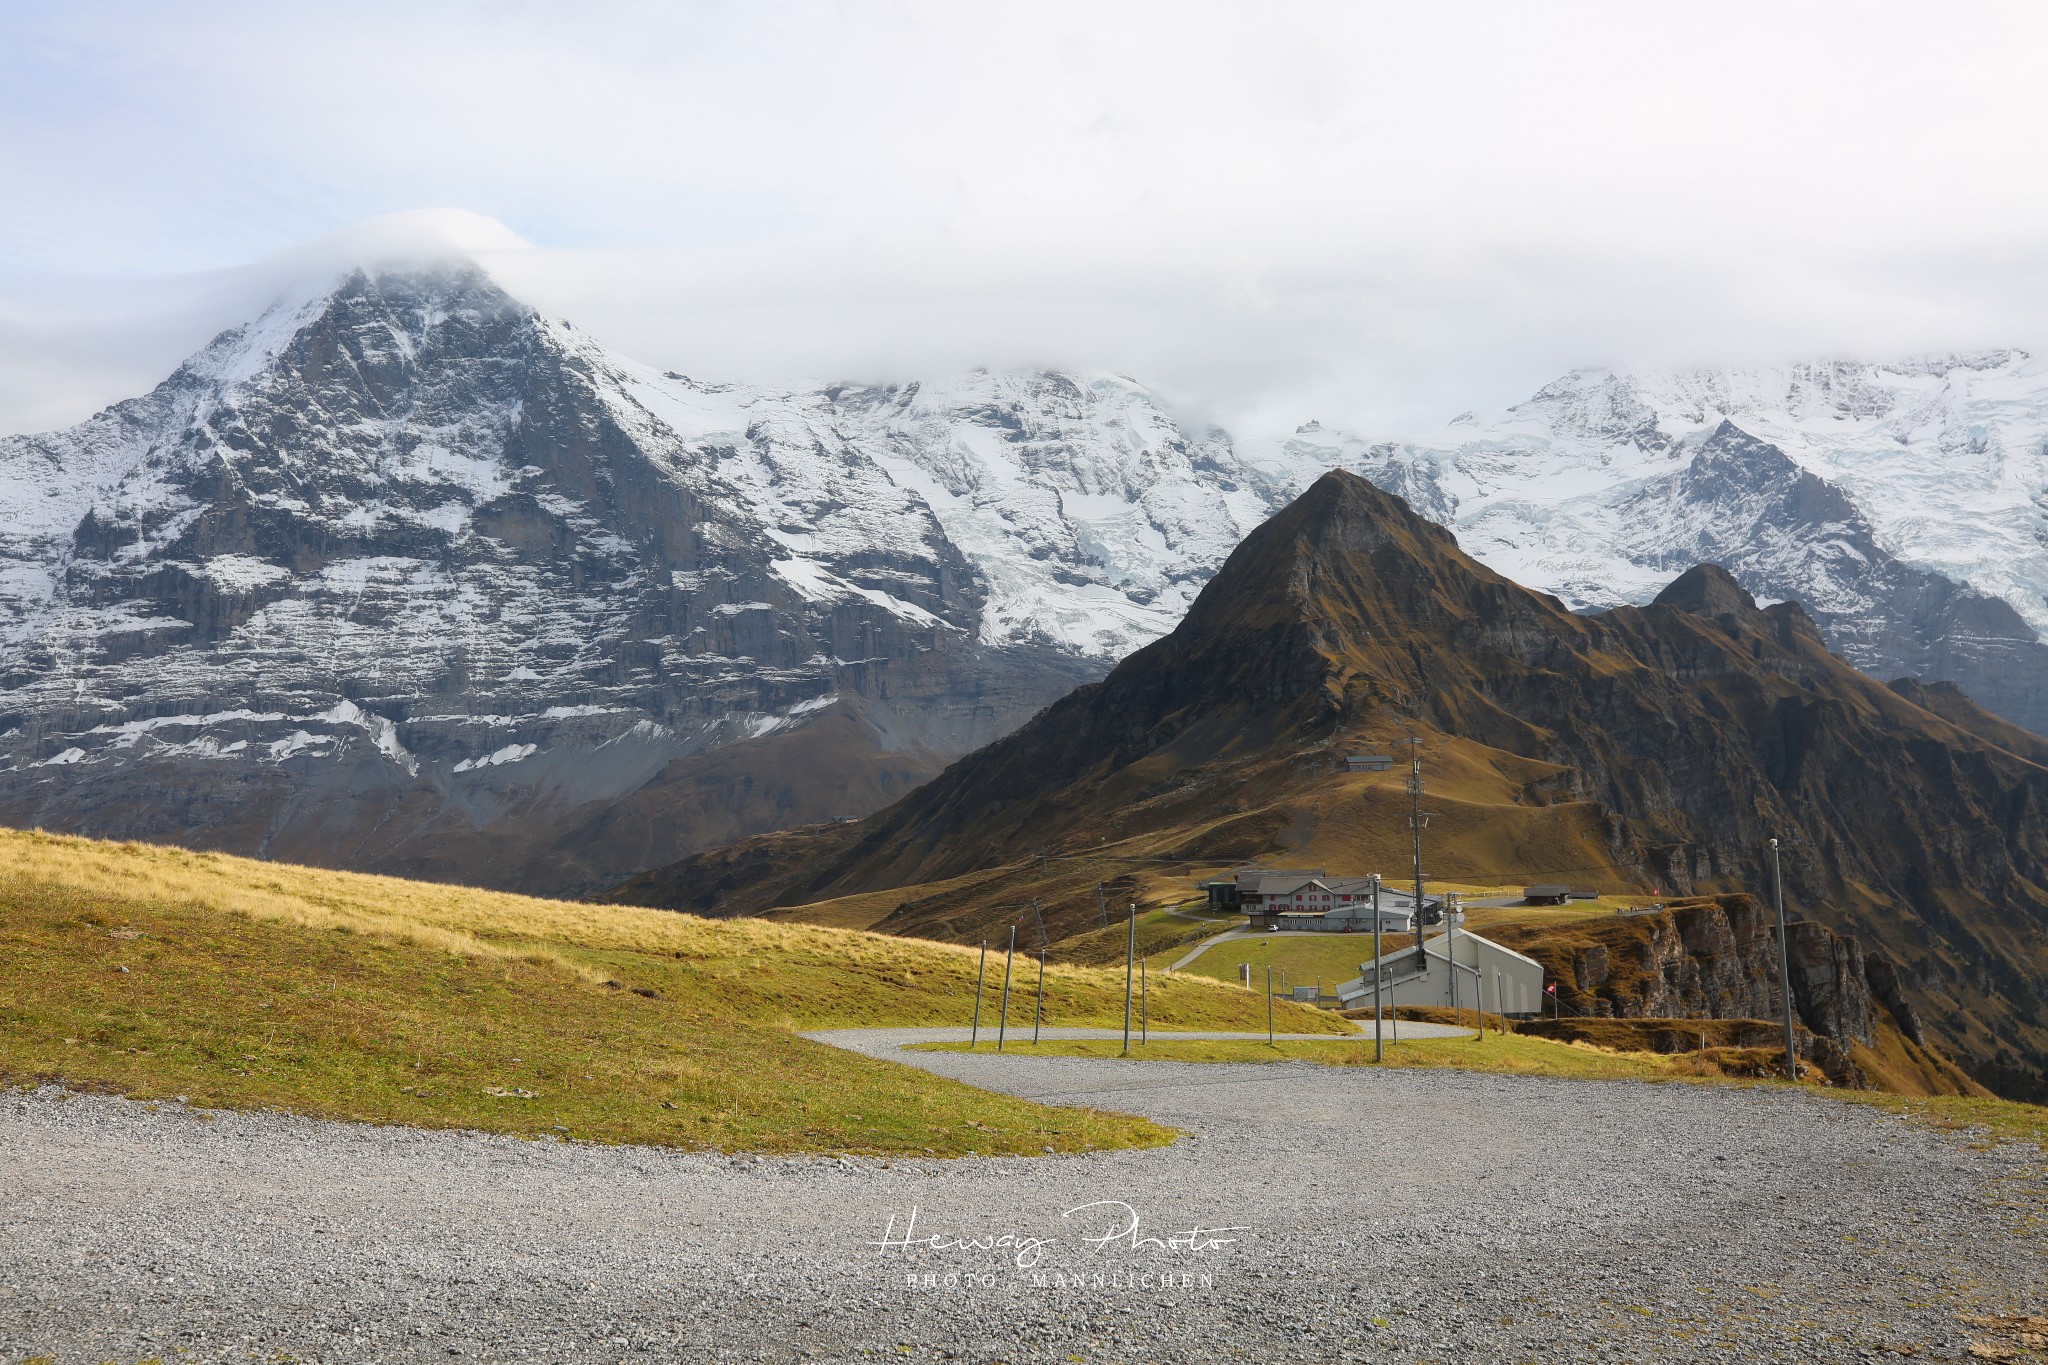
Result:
[1373,214]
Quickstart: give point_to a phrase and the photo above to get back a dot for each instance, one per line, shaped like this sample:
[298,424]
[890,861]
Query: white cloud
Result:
[1369,214]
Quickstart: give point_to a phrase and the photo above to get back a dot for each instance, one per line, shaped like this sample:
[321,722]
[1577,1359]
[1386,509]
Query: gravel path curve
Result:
[1310,1214]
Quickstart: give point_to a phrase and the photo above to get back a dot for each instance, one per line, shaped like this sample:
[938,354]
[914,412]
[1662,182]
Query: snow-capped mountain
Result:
[1905,505]
[405,576]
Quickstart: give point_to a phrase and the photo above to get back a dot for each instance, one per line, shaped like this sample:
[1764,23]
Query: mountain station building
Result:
[1309,900]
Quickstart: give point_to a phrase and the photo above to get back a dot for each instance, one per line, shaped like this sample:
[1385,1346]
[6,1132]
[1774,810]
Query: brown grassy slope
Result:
[1154,850]
[253,984]
[1660,745]
[159,999]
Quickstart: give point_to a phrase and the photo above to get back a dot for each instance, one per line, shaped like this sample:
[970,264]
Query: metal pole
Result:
[1130,956]
[1102,902]
[1038,1016]
[1269,1004]
[1784,968]
[1003,1027]
[1415,827]
[979,977]
[1378,973]
[1451,947]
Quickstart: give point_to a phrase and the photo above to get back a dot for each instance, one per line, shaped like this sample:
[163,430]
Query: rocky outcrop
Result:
[1708,958]
[1888,991]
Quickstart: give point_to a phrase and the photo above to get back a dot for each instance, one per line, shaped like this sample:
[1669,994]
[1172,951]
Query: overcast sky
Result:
[1376,215]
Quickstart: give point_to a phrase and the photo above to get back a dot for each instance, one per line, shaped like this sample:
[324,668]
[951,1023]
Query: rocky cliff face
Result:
[1716,958]
[405,577]
[1712,958]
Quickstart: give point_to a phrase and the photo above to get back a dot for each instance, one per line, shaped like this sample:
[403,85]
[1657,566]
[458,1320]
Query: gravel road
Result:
[1311,1214]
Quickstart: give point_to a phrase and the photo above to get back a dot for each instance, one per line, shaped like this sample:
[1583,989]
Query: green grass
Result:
[1162,937]
[2005,1120]
[1296,959]
[253,985]
[1507,1055]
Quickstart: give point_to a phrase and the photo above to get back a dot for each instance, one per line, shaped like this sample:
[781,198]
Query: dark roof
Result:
[1546,889]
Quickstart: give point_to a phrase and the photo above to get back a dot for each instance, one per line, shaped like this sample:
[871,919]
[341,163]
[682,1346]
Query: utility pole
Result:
[1130,956]
[1102,902]
[1038,916]
[1378,973]
[1416,820]
[1003,1027]
[980,976]
[1784,968]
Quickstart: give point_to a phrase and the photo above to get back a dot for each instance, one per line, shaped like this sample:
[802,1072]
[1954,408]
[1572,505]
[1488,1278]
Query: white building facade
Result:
[1506,981]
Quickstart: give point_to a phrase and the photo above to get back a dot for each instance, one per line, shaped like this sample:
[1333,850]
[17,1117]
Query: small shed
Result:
[1547,893]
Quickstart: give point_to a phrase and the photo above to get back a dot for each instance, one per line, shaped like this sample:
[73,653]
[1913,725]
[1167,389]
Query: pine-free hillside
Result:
[1644,746]
[157,972]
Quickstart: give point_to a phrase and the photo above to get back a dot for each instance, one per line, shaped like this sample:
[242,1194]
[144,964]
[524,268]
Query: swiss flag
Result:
[1551,989]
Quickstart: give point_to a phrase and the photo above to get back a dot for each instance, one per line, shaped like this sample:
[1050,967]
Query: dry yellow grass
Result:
[153,971]
[574,937]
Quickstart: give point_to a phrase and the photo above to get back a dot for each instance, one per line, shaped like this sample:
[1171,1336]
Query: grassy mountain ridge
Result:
[1654,746]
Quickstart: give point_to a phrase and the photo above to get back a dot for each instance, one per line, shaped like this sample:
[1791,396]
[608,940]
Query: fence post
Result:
[980,976]
[1003,1026]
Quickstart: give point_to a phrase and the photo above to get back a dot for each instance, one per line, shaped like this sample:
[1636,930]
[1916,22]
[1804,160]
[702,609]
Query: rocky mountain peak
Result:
[1707,590]
[405,576]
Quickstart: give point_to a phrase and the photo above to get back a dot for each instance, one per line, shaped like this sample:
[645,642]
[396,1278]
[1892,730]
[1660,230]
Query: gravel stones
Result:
[1310,1213]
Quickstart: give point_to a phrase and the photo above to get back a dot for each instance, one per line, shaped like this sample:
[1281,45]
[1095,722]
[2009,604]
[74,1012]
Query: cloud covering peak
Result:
[1377,215]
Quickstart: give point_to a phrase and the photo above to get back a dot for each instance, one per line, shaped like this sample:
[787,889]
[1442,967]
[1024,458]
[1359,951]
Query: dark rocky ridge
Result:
[1791,535]
[1739,500]
[1699,726]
